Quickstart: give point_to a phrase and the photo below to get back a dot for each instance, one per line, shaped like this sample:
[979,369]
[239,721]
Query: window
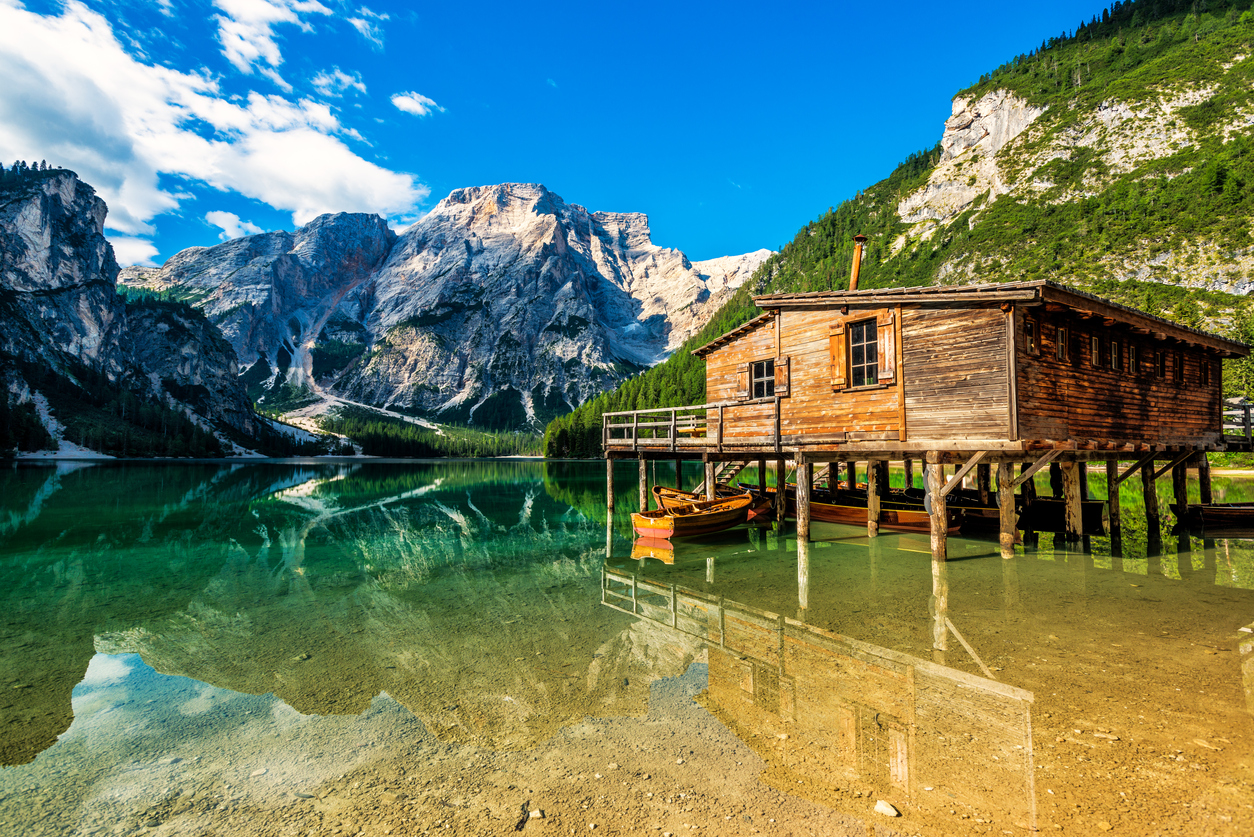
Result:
[1160,364]
[1114,356]
[1061,348]
[1178,367]
[1204,371]
[1133,357]
[1029,335]
[863,355]
[1095,350]
[762,378]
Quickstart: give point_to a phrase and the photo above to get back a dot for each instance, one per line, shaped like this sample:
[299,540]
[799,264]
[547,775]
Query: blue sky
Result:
[729,124]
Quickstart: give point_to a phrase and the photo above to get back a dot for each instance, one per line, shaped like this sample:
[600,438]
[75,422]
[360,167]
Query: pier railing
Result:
[692,427]
[1237,424]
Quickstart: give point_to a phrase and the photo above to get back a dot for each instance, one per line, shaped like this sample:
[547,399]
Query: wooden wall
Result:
[1073,399]
[724,371]
[956,368]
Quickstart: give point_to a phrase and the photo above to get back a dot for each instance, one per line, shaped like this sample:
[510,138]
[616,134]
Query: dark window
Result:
[1133,357]
[1114,356]
[1160,364]
[1204,370]
[1178,369]
[762,377]
[1060,350]
[1029,335]
[1095,350]
[863,354]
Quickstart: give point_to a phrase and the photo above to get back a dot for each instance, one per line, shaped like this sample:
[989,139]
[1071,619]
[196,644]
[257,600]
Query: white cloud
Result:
[367,28]
[245,31]
[336,82]
[231,225]
[104,669]
[72,94]
[129,250]
[415,103]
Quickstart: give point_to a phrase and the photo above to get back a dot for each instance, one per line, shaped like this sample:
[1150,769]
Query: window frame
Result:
[870,329]
[766,379]
[1160,364]
[1114,361]
[1031,336]
[1062,347]
[1095,351]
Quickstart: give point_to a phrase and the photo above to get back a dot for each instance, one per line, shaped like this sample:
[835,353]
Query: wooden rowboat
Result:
[849,508]
[672,498]
[658,548]
[1216,519]
[699,518]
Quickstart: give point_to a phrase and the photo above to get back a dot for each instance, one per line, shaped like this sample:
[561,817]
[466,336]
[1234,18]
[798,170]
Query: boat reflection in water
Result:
[838,714]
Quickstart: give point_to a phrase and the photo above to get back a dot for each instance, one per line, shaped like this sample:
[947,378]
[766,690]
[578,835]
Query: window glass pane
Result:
[863,369]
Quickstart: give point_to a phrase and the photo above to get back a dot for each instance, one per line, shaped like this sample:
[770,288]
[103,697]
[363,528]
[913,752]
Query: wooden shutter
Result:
[887,334]
[742,386]
[839,362]
[781,376]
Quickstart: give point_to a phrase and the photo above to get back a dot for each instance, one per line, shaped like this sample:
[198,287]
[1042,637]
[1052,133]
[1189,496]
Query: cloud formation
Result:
[365,25]
[74,96]
[231,225]
[129,250]
[245,31]
[415,103]
[336,82]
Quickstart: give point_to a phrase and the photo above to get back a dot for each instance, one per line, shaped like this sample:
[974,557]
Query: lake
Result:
[295,648]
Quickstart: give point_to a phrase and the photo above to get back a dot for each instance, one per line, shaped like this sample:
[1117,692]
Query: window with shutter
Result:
[887,339]
[762,378]
[864,363]
[782,376]
[742,383]
[837,341]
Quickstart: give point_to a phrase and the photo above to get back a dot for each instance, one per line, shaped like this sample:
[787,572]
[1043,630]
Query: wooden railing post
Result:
[635,431]
[674,428]
[1248,439]
[778,440]
[719,437]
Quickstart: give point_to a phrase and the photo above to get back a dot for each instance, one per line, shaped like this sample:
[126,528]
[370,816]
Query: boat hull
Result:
[895,514]
[673,498]
[700,518]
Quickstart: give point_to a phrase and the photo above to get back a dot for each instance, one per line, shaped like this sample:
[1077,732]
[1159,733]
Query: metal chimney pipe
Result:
[857,261]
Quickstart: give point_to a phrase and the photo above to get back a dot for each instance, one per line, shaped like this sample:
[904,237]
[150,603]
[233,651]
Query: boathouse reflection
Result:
[840,714]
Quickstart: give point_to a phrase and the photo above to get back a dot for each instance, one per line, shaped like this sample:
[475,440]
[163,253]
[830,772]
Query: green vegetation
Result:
[21,428]
[1083,223]
[384,435]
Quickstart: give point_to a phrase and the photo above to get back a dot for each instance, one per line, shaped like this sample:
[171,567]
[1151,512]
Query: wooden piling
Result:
[1112,504]
[644,485]
[609,485]
[1028,493]
[873,489]
[939,515]
[805,475]
[1006,508]
[1071,497]
[679,474]
[851,474]
[908,465]
[761,476]
[1083,468]
[1203,479]
[781,493]
[940,596]
[1180,493]
[983,482]
[1153,534]
[709,480]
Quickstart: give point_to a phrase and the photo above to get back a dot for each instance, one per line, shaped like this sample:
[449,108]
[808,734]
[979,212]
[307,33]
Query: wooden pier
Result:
[968,382]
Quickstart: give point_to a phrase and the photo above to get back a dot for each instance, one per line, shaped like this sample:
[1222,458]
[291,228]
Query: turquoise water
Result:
[296,648]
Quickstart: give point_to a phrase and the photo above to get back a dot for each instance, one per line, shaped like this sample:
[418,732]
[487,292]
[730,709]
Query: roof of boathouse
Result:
[1036,292]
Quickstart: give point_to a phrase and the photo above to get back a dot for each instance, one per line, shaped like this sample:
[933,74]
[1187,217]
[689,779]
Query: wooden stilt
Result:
[1071,497]
[1028,492]
[1204,497]
[1006,508]
[873,489]
[805,474]
[983,483]
[851,474]
[1112,504]
[781,493]
[1055,480]
[909,468]
[940,597]
[709,480]
[679,474]
[939,514]
[1083,469]
[1180,494]
[609,509]
[1153,534]
[644,485]
[803,576]
[761,476]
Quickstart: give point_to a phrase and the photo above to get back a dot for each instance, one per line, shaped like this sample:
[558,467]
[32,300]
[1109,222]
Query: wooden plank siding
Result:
[1077,399]
[956,373]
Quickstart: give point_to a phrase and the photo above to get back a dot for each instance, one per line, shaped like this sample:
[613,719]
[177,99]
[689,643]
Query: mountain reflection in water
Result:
[167,627]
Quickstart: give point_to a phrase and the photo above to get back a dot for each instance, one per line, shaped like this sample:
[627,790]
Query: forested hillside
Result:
[1120,161]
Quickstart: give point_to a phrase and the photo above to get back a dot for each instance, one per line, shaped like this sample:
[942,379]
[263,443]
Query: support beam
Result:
[1071,498]
[1176,460]
[761,476]
[1006,508]
[956,479]
[679,474]
[644,485]
[1203,479]
[1153,533]
[1027,472]
[1140,463]
[983,482]
[1112,504]
[709,480]
[851,474]
[938,513]
[872,499]
[909,466]
[609,509]
[1180,493]
[805,476]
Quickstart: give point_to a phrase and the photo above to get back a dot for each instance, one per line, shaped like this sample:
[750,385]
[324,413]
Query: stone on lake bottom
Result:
[887,810]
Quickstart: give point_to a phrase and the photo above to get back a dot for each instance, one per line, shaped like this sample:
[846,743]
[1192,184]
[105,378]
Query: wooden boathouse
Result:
[977,377]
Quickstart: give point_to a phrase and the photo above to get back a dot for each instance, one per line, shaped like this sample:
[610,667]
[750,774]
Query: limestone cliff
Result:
[60,311]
